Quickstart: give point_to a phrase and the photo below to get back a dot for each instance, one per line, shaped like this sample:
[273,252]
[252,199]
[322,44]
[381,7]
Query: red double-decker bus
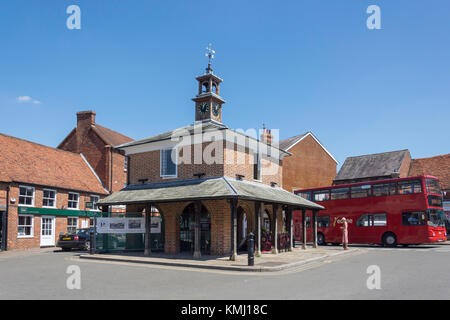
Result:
[388,212]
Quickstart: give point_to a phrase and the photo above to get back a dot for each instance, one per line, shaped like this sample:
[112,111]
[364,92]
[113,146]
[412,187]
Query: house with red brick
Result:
[438,166]
[211,185]
[97,143]
[310,164]
[43,192]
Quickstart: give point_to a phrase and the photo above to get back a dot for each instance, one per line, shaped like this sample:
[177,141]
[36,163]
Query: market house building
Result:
[43,192]
[210,184]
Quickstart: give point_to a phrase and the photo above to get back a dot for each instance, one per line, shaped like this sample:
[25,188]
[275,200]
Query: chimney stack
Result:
[85,120]
[266,136]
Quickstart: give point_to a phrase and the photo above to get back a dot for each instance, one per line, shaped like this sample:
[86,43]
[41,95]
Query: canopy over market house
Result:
[210,185]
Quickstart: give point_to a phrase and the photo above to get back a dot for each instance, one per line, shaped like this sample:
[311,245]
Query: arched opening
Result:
[214,88]
[266,232]
[242,229]
[205,87]
[187,230]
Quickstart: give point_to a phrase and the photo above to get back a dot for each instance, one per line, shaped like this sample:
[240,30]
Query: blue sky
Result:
[294,65]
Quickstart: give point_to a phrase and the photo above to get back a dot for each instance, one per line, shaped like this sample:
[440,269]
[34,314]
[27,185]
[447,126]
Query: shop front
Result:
[40,227]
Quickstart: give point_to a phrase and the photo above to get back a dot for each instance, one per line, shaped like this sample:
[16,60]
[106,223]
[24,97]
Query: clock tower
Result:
[208,102]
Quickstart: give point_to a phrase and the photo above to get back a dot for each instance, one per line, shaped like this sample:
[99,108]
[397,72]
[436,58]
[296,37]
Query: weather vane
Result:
[210,54]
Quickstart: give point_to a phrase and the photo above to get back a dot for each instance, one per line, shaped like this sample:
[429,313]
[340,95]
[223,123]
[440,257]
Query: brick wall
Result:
[15,242]
[309,166]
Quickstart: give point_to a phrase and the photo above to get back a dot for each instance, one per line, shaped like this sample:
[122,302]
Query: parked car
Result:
[81,240]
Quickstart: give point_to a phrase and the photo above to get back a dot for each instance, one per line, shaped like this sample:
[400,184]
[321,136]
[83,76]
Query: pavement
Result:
[267,262]
[416,272]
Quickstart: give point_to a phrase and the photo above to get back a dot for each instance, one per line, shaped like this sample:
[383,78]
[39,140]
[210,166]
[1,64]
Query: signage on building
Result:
[58,212]
[120,225]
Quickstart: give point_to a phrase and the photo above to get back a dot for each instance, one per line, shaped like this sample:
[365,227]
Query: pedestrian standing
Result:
[344,233]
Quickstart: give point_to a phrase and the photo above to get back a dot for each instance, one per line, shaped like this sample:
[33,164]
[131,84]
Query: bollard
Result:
[92,242]
[251,249]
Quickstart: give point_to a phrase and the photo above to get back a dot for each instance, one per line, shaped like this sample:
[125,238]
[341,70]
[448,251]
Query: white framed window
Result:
[169,159]
[74,199]
[72,224]
[25,226]
[49,198]
[26,196]
[125,163]
[94,199]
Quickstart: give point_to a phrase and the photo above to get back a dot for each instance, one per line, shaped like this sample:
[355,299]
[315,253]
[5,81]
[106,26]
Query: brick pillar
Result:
[275,228]
[233,207]
[197,236]
[290,218]
[258,209]
[148,240]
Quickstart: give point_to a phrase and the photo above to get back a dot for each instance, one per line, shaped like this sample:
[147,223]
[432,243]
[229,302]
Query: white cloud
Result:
[28,99]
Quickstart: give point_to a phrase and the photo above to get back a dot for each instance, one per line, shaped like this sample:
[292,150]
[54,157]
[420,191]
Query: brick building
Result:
[310,164]
[210,184]
[43,192]
[97,143]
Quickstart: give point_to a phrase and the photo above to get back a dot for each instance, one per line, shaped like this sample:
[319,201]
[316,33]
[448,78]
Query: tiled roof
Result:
[286,143]
[371,165]
[28,162]
[109,136]
[206,188]
[438,166]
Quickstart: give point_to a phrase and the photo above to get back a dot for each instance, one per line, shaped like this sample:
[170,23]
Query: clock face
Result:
[216,109]
[203,107]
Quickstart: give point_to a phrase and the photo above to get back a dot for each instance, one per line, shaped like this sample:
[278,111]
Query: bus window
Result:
[305,195]
[410,186]
[436,217]
[383,189]
[321,195]
[433,186]
[361,191]
[364,221]
[323,221]
[340,193]
[379,220]
[416,218]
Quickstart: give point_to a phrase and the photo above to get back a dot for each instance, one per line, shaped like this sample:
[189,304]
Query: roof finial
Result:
[210,54]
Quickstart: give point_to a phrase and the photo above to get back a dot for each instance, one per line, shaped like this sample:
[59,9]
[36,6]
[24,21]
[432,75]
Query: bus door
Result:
[370,228]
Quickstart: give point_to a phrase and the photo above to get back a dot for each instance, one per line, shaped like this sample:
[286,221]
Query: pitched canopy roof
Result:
[438,166]
[371,165]
[28,162]
[207,188]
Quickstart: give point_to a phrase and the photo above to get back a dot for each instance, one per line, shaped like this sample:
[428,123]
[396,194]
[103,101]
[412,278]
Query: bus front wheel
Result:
[389,239]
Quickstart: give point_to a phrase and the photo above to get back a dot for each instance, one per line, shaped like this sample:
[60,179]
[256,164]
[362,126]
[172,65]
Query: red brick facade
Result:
[96,144]
[309,166]
[17,242]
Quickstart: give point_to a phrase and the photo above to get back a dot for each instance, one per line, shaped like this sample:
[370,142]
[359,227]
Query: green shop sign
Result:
[58,212]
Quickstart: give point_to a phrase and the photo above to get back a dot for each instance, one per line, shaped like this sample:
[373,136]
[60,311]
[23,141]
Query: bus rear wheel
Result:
[321,239]
[389,239]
